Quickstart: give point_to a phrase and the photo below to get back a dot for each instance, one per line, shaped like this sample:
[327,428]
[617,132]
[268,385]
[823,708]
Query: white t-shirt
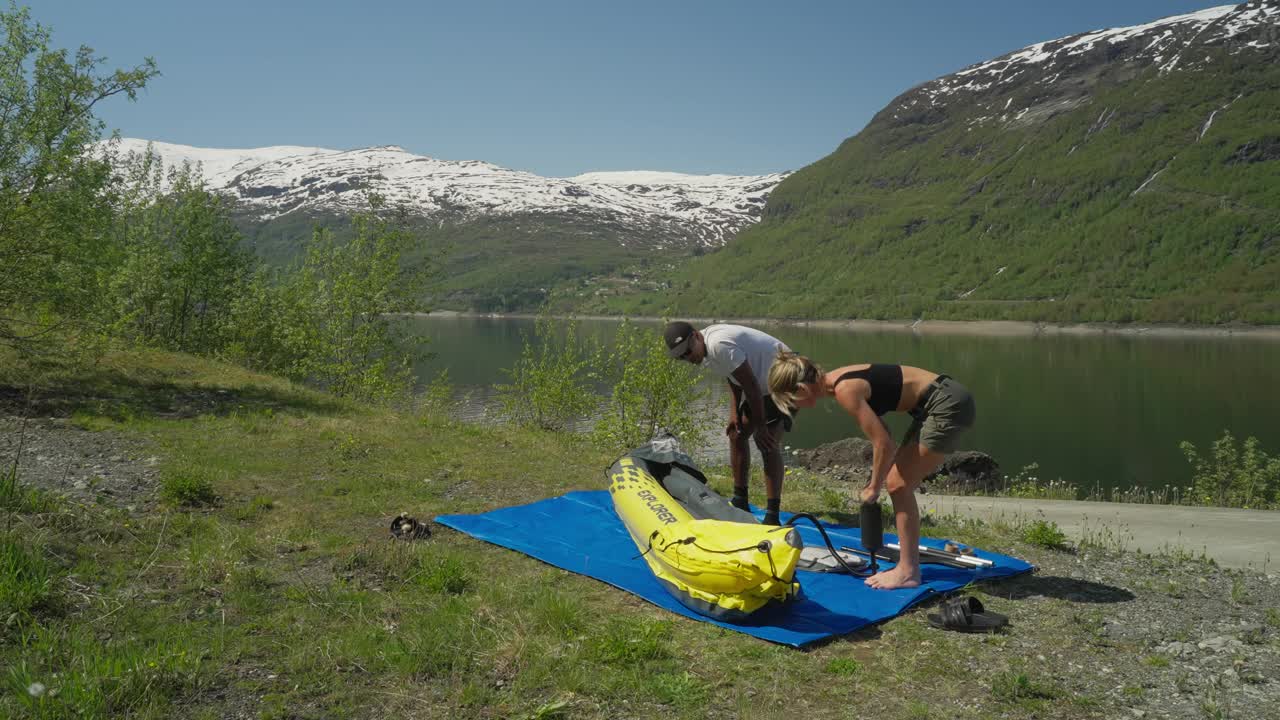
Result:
[728,346]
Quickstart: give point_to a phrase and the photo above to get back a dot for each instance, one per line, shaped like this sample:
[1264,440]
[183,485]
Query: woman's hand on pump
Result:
[869,494]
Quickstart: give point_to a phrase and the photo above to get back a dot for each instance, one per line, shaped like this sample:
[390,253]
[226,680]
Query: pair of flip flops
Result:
[966,614]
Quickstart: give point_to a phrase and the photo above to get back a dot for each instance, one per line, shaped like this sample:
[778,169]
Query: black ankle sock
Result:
[772,506]
[740,499]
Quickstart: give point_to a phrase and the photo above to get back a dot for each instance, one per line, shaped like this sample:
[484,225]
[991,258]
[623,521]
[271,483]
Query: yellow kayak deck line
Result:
[725,570]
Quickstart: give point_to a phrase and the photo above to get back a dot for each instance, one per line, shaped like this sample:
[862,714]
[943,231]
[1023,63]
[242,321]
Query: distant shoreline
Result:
[981,328]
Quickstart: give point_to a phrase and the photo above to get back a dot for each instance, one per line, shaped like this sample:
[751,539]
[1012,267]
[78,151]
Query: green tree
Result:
[55,204]
[181,266]
[330,322]
[650,393]
[552,384]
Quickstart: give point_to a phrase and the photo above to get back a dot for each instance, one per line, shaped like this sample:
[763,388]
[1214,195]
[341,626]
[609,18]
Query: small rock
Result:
[1220,643]
[1176,648]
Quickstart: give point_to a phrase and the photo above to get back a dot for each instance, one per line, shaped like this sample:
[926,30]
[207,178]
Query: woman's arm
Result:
[853,400]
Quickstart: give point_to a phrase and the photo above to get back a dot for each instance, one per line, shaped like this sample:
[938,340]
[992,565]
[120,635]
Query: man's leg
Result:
[773,474]
[740,464]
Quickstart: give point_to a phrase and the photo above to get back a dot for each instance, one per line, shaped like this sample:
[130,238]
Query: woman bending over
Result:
[942,410]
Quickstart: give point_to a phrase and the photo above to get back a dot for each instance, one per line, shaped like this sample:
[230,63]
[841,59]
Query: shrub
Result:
[181,262]
[651,392]
[551,384]
[188,486]
[1045,534]
[329,323]
[1234,476]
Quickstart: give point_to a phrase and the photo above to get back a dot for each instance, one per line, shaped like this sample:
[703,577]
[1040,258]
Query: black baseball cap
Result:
[678,336]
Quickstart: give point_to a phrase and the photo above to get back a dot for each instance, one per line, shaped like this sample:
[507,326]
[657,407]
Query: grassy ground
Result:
[257,580]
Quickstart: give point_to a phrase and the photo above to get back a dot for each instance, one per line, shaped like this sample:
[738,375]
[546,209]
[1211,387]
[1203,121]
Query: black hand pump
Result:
[871,526]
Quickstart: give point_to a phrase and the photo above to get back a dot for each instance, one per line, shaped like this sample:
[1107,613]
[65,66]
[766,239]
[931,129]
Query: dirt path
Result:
[87,466]
[1233,538]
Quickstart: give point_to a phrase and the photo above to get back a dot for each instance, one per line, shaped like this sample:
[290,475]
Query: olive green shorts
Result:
[947,413]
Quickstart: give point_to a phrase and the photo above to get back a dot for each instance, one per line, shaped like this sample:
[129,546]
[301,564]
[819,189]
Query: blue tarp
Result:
[580,531]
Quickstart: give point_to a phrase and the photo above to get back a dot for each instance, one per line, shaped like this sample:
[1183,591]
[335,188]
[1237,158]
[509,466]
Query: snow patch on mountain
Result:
[272,181]
[1162,43]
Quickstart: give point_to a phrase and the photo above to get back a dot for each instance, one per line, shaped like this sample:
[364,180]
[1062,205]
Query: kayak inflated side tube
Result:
[725,570]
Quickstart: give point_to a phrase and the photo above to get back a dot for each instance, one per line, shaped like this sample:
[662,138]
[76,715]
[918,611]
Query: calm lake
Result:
[1104,411]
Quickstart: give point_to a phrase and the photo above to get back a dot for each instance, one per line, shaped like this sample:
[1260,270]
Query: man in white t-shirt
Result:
[742,356]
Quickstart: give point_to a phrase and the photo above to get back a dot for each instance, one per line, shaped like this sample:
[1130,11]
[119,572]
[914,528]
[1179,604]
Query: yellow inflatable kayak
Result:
[719,568]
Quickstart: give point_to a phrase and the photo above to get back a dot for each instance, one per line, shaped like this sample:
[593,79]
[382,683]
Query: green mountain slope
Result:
[1109,184]
[494,264]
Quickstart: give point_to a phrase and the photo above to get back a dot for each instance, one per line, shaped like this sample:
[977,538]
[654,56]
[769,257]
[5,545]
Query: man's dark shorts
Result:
[772,415]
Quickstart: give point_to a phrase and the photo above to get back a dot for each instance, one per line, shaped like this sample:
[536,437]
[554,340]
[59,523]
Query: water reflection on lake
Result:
[1105,410]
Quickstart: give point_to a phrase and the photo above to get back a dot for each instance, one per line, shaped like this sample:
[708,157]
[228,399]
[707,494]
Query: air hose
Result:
[872,536]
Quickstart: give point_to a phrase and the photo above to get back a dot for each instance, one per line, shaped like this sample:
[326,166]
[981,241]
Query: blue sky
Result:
[555,87]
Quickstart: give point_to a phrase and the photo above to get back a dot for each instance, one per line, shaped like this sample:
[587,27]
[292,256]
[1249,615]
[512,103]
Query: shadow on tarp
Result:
[580,532]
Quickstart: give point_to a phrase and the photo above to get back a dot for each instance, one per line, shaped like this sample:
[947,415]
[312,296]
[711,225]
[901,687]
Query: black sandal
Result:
[407,528]
[966,614]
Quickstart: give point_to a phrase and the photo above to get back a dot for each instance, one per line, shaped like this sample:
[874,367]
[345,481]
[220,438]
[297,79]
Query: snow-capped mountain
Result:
[1121,175]
[1056,75]
[272,181]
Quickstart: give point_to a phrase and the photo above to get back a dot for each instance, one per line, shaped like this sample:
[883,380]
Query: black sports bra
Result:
[886,385]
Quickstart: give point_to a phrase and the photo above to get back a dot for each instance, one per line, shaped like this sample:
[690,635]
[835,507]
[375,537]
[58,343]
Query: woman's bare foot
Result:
[898,577]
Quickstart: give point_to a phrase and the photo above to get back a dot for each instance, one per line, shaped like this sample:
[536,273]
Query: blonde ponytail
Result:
[788,371]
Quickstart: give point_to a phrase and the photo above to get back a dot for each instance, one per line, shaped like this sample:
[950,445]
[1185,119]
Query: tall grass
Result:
[26,578]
